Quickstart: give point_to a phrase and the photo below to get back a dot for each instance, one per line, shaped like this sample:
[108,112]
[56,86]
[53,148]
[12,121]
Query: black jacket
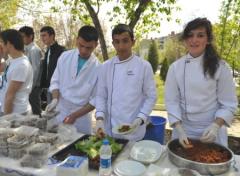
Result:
[55,51]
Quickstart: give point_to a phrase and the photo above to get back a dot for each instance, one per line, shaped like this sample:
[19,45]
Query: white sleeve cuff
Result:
[100,114]
[144,117]
[53,87]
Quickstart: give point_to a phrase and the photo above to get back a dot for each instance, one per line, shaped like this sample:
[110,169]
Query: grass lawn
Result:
[160,93]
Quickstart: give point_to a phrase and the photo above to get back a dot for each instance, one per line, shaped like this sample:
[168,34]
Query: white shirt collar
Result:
[194,59]
[126,60]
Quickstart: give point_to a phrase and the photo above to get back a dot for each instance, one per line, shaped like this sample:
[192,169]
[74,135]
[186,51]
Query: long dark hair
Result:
[211,57]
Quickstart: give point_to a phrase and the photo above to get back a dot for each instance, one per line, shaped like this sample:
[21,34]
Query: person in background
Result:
[17,79]
[2,60]
[54,50]
[200,96]
[126,90]
[73,84]
[34,54]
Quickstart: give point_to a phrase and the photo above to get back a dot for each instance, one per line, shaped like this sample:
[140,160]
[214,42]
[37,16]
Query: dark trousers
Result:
[35,100]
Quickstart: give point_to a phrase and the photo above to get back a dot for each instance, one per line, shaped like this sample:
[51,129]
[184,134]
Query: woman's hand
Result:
[210,134]
[183,140]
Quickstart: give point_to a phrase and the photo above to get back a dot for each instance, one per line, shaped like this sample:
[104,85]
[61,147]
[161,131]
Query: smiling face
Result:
[196,41]
[46,38]
[123,44]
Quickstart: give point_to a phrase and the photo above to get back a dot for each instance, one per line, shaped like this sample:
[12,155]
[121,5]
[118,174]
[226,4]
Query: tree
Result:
[172,50]
[164,69]
[141,15]
[8,13]
[153,56]
[227,33]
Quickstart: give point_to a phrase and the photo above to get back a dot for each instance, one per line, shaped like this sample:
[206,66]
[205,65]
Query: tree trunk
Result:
[97,25]
[140,9]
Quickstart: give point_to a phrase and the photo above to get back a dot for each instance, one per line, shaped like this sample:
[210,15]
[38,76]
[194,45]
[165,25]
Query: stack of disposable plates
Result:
[129,168]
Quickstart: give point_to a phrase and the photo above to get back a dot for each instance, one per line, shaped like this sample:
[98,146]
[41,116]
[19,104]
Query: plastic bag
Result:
[67,132]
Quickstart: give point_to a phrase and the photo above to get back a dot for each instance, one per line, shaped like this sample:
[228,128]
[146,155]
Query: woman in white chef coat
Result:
[200,95]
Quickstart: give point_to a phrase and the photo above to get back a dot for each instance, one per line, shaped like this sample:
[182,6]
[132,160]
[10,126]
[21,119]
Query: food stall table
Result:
[11,167]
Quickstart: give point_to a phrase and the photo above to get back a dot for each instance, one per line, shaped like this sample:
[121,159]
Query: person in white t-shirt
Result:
[17,79]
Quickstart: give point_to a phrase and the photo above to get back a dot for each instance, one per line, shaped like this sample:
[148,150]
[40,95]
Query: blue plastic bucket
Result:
[156,129]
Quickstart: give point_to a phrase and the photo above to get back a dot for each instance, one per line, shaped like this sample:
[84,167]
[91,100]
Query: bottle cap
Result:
[105,142]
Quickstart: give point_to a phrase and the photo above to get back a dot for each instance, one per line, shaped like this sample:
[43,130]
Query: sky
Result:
[190,10]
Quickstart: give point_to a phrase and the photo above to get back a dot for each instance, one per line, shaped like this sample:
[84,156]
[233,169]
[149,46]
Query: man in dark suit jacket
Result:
[54,50]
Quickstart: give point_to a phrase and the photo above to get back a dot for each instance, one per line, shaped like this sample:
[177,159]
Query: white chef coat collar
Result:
[126,60]
[27,47]
[91,58]
[194,59]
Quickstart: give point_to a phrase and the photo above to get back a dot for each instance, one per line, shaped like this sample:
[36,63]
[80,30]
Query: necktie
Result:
[81,62]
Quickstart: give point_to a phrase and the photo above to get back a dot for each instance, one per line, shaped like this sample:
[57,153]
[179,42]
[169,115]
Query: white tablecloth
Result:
[11,167]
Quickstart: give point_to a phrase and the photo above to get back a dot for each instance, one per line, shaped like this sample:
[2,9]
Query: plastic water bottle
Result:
[105,168]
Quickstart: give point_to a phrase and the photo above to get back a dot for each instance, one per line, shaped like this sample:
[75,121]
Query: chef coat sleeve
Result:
[226,95]
[172,96]
[149,91]
[55,80]
[101,95]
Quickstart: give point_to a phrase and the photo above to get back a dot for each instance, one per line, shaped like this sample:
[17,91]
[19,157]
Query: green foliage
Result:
[142,15]
[153,56]
[8,11]
[227,33]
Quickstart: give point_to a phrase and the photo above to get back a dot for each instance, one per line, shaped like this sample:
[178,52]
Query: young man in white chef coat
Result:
[126,90]
[74,81]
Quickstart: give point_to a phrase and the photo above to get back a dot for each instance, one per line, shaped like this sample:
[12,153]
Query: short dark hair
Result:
[121,28]
[48,29]
[88,33]
[27,30]
[14,37]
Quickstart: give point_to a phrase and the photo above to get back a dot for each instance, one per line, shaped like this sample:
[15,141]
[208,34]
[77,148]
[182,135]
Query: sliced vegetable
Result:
[91,146]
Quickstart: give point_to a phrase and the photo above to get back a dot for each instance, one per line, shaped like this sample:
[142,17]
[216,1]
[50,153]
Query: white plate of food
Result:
[146,151]
[129,168]
[123,129]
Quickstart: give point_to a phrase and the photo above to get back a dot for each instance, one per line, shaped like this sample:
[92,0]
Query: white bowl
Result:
[146,151]
[129,168]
